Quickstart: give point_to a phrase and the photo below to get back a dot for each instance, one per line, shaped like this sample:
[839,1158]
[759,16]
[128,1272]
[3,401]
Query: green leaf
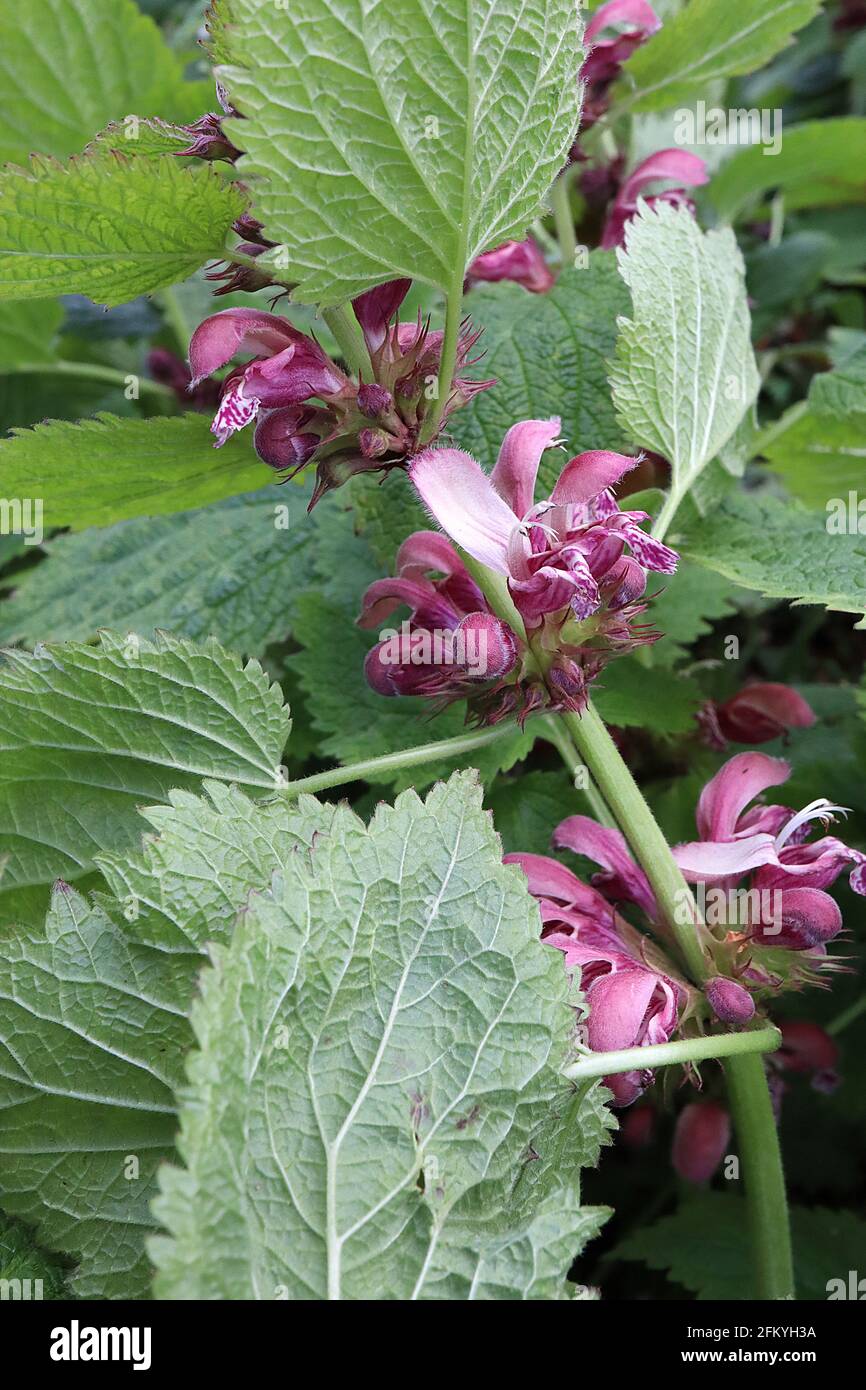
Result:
[381,1039]
[547,353]
[821,455]
[706,41]
[109,227]
[93,1018]
[685,609]
[632,695]
[527,809]
[89,734]
[27,333]
[98,471]
[781,550]
[703,1246]
[397,139]
[227,571]
[27,1270]
[684,373]
[68,67]
[820,164]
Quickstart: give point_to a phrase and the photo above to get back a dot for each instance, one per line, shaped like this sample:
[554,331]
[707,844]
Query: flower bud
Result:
[700,1140]
[374,400]
[281,441]
[373,443]
[806,1047]
[808,918]
[730,1002]
[637,1127]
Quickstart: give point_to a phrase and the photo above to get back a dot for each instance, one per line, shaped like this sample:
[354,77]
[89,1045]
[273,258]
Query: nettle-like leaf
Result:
[782,550]
[25,1269]
[93,1018]
[89,734]
[633,695]
[354,722]
[819,164]
[109,227]
[820,450]
[701,1246]
[228,571]
[706,41]
[334,1149]
[95,472]
[68,67]
[547,353]
[400,138]
[684,373]
[27,333]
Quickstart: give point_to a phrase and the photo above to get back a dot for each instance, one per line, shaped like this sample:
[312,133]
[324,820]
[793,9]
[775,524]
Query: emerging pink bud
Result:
[808,918]
[701,1138]
[756,714]
[806,1047]
[208,141]
[520,261]
[374,400]
[637,1127]
[282,439]
[730,1002]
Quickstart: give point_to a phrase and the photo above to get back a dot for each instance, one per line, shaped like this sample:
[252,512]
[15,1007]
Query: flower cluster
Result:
[626,24]
[307,408]
[575,566]
[774,932]
[634,995]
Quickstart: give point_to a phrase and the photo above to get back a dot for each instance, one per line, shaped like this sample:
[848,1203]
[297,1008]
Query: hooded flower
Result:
[520,261]
[611,37]
[756,714]
[689,171]
[307,407]
[565,559]
[786,904]
[632,998]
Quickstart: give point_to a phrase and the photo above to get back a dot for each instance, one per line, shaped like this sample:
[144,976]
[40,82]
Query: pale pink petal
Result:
[618,1003]
[706,860]
[726,795]
[520,261]
[463,500]
[517,466]
[584,477]
[427,550]
[688,169]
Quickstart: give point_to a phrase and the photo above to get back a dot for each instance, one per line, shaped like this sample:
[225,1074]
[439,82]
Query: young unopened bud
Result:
[637,1126]
[489,647]
[374,400]
[373,443]
[281,440]
[700,1140]
[808,918]
[730,1002]
[806,1047]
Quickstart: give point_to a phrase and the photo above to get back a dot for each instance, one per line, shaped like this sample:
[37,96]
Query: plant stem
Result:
[448,357]
[389,762]
[91,371]
[849,1015]
[555,731]
[666,515]
[350,340]
[758,1139]
[563,219]
[667,1054]
[641,829]
[175,318]
[777,427]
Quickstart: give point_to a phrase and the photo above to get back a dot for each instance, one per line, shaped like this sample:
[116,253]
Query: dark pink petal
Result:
[547,878]
[729,1001]
[806,1047]
[427,605]
[807,918]
[521,261]
[701,1138]
[816,865]
[623,879]
[726,795]
[489,646]
[281,440]
[761,712]
[293,375]
[427,550]
[517,465]
[219,338]
[464,502]
[618,1005]
[688,169]
[636,12]
[585,476]
[375,309]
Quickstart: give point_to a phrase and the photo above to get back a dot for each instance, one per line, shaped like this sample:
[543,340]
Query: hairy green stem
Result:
[350,340]
[174,316]
[92,371]
[667,1054]
[761,1158]
[390,762]
[847,1016]
[555,732]
[448,357]
[563,219]
[667,514]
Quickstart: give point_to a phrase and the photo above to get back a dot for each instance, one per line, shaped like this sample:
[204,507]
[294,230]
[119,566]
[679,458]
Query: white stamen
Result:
[822,810]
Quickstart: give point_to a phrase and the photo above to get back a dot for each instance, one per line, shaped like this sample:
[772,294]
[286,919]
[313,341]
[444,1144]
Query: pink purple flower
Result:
[701,1137]
[520,261]
[756,714]
[688,170]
